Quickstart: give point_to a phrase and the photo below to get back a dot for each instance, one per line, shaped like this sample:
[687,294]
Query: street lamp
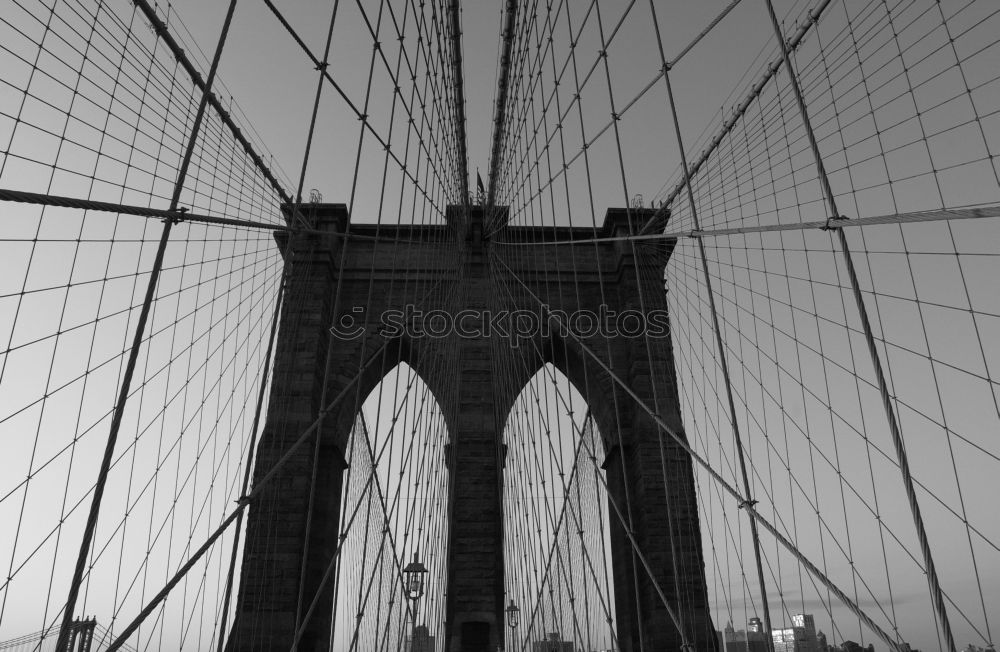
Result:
[414,573]
[513,615]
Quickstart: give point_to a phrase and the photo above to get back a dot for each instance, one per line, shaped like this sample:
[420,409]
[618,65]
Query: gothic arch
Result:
[606,401]
[462,375]
[377,358]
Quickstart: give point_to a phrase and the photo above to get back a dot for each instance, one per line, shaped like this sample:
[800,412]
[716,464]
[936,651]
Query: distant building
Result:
[789,639]
[808,625]
[422,641]
[851,646]
[821,642]
[737,640]
[552,643]
[800,637]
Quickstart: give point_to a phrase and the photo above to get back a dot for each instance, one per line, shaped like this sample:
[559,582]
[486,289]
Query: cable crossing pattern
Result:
[709,361]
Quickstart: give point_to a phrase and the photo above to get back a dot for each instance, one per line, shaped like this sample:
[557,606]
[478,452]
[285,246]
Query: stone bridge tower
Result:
[457,267]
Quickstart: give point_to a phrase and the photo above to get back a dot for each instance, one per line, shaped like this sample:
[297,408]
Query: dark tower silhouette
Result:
[463,262]
[81,635]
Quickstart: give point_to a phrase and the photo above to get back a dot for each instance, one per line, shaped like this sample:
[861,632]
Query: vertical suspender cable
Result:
[737,439]
[937,597]
[556,319]
[248,469]
[500,111]
[160,28]
[455,35]
[326,372]
[116,420]
[740,110]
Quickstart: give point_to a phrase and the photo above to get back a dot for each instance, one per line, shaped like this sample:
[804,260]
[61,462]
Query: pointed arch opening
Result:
[393,508]
[557,543]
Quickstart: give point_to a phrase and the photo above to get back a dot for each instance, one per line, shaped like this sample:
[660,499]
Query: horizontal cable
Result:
[180,215]
[946,214]
[738,113]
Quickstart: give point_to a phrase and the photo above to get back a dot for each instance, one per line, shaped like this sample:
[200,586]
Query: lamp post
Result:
[513,616]
[414,584]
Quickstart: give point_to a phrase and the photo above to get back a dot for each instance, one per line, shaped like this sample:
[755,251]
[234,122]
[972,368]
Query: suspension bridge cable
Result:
[728,488]
[140,327]
[894,100]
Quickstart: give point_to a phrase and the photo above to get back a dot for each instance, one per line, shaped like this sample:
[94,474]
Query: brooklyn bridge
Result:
[539,325]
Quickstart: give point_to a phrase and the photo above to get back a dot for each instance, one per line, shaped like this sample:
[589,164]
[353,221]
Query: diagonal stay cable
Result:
[351,105]
[91,525]
[206,87]
[946,214]
[243,503]
[702,462]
